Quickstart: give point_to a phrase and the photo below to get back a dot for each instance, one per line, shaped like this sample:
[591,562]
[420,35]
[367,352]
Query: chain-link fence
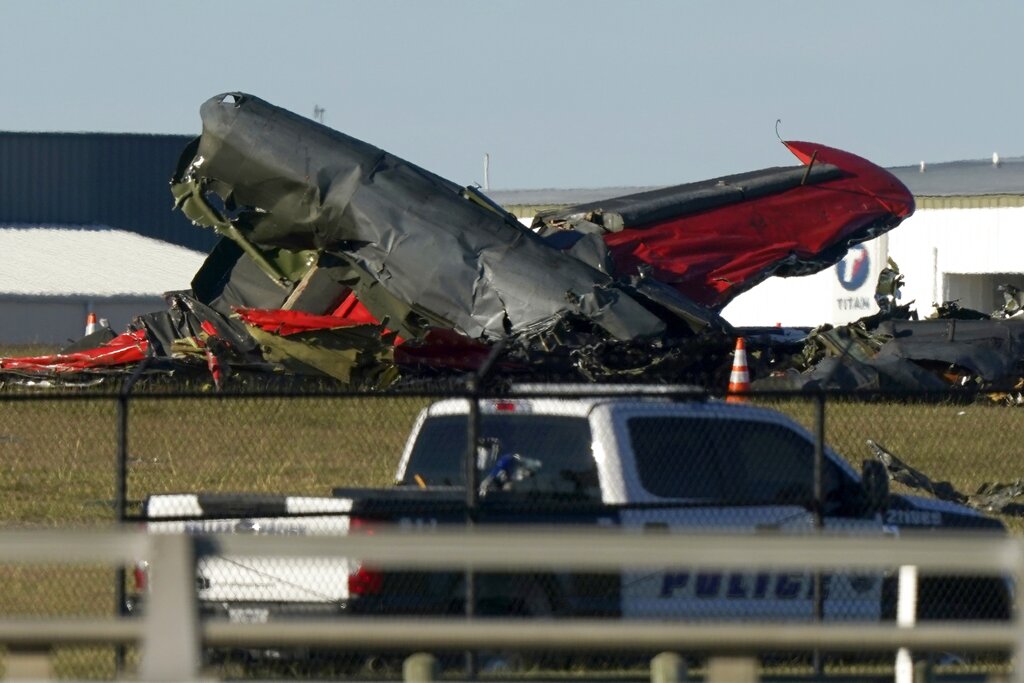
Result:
[658,460]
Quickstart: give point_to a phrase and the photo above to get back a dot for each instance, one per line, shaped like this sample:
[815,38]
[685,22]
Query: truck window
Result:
[743,462]
[561,444]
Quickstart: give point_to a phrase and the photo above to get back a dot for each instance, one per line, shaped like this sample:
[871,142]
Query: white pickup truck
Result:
[649,463]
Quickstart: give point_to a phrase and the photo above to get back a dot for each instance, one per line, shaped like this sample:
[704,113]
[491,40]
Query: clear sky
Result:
[560,94]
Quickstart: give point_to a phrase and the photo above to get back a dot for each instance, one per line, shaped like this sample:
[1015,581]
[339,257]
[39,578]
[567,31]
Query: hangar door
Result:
[979,290]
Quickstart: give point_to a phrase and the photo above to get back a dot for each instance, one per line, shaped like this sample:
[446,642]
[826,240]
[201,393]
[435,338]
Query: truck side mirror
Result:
[875,480]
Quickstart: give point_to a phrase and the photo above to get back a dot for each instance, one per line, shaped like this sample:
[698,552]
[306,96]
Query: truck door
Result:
[709,472]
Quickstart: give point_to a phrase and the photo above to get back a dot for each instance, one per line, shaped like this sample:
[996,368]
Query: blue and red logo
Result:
[853,270]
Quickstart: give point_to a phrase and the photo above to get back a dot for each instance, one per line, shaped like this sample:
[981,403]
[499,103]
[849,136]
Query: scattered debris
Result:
[894,350]
[1013,302]
[887,291]
[903,473]
[997,497]
[990,497]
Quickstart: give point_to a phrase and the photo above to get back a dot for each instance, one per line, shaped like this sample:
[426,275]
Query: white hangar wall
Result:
[790,302]
[960,254]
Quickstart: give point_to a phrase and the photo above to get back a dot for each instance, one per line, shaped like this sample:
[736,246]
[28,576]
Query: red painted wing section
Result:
[127,348]
[714,255]
[279,321]
[441,348]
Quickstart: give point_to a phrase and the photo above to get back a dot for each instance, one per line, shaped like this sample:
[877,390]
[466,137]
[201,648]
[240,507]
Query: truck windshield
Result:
[562,446]
[725,460]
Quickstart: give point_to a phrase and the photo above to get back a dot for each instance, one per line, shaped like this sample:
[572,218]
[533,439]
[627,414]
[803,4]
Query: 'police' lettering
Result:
[759,586]
[786,587]
[671,582]
[708,585]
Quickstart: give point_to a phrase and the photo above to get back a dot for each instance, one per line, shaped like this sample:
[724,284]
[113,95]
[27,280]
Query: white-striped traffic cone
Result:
[90,324]
[739,378]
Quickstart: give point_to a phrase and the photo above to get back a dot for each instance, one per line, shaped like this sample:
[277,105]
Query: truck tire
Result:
[518,598]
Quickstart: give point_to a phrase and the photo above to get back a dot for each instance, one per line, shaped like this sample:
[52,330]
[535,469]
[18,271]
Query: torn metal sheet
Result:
[993,350]
[356,355]
[288,183]
[906,354]
[999,497]
[1003,498]
[184,319]
[122,350]
[908,476]
[715,239]
[892,349]
[846,373]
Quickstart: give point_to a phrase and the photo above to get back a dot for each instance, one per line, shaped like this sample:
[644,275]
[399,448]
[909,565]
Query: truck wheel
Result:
[530,601]
[510,596]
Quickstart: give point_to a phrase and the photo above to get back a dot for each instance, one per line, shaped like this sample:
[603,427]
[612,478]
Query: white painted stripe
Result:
[304,504]
[174,505]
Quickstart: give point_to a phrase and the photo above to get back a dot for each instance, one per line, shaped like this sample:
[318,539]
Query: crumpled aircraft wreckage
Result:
[339,259]
[999,497]
[894,350]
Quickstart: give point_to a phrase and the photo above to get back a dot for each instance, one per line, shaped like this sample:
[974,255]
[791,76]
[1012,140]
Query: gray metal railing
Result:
[171,636]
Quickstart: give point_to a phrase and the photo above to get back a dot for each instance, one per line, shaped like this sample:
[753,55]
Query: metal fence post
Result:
[732,670]
[121,492]
[472,504]
[668,667]
[170,635]
[421,667]
[1018,615]
[28,663]
[906,617]
[473,385]
[819,494]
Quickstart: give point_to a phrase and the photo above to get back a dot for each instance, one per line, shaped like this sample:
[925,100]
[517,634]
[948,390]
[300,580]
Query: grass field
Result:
[60,456]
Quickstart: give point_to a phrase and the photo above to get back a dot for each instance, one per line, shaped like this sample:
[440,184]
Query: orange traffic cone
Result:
[90,324]
[739,378]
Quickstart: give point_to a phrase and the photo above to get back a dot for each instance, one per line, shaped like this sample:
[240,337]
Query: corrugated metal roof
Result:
[93,261]
[113,179]
[964,178]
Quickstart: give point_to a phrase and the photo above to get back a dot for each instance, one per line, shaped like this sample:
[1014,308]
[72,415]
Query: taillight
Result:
[141,575]
[365,581]
[359,525]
